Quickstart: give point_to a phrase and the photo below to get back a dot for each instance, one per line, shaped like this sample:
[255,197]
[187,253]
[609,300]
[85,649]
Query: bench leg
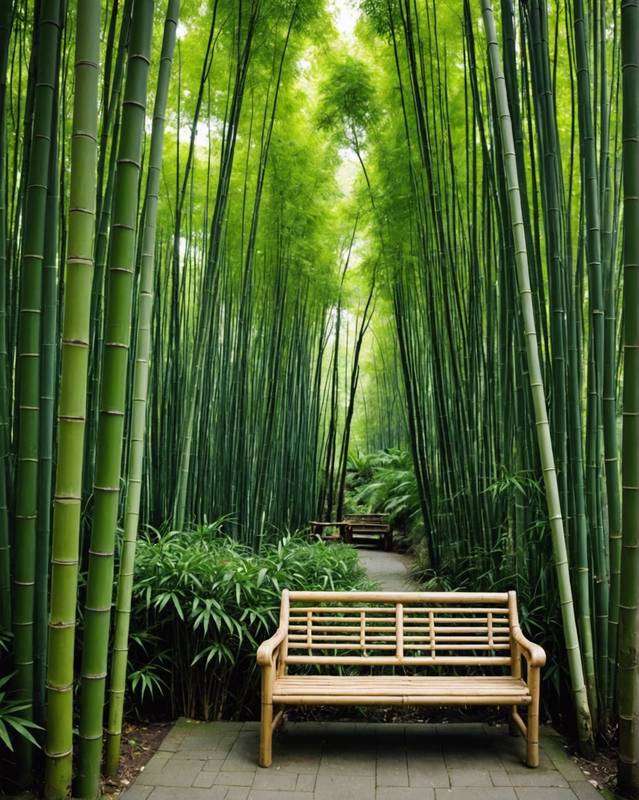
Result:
[266,735]
[532,726]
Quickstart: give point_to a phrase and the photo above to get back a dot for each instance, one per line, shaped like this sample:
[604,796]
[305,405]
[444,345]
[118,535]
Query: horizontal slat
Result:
[499,610]
[456,629]
[409,637]
[402,597]
[467,661]
[379,685]
[505,681]
[437,617]
[373,644]
[400,684]
[326,639]
[343,628]
[353,645]
[300,612]
[389,609]
[447,647]
[408,700]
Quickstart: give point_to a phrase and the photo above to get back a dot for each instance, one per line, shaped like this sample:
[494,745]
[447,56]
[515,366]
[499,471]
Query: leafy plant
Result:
[12,721]
[202,602]
[384,482]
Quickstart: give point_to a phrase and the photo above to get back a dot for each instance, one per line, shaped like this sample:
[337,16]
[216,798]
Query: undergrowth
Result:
[202,603]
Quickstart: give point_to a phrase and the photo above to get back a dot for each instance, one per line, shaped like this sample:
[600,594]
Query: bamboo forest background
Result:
[259,265]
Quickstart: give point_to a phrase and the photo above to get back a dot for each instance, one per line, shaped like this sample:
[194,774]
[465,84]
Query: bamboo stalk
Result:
[584,723]
[72,406]
[628,696]
[139,412]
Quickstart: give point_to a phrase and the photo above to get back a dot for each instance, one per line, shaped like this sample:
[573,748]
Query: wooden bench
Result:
[368,529]
[382,630]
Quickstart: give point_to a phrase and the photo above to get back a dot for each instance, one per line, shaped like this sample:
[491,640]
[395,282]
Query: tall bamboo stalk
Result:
[72,405]
[139,399]
[48,389]
[6,21]
[628,671]
[584,723]
[28,368]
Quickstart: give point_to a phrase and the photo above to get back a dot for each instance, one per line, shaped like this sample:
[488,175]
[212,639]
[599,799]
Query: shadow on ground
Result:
[358,761]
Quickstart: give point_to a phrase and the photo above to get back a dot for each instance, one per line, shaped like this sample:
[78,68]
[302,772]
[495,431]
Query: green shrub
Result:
[202,603]
[384,482]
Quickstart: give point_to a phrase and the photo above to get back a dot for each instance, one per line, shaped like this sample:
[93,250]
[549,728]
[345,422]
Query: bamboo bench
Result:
[378,630]
[368,529]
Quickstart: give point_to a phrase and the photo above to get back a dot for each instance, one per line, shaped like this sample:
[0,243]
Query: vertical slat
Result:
[399,629]
[309,628]
[362,629]
[285,610]
[491,641]
[431,624]
[513,621]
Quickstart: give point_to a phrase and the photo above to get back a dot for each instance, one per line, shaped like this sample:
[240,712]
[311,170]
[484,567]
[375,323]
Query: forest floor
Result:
[350,761]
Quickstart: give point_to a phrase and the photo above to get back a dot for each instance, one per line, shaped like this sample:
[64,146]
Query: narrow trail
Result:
[390,570]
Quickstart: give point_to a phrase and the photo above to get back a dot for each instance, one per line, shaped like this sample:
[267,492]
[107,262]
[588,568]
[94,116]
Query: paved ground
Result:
[344,761]
[390,570]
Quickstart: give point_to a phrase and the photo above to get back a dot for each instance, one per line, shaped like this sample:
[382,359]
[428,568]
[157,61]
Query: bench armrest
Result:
[266,651]
[534,654]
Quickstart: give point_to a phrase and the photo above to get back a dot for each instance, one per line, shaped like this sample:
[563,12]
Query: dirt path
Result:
[390,570]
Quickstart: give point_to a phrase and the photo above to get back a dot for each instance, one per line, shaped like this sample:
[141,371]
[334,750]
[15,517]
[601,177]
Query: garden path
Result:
[357,761]
[390,570]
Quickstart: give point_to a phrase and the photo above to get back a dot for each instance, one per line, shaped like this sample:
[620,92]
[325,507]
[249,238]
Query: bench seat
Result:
[400,690]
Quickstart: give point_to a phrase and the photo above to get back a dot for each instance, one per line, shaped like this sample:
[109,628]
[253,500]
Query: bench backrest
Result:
[380,519]
[403,628]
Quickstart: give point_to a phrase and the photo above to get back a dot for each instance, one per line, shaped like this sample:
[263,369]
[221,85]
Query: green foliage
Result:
[13,721]
[347,105]
[201,605]
[384,482]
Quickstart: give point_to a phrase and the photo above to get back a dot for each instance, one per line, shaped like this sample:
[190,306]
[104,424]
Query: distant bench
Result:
[368,529]
[356,529]
[382,630]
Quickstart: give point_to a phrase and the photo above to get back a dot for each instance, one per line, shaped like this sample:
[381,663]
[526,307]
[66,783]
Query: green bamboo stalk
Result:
[139,400]
[609,209]
[72,405]
[6,21]
[591,192]
[28,370]
[628,670]
[115,349]
[584,723]
[48,387]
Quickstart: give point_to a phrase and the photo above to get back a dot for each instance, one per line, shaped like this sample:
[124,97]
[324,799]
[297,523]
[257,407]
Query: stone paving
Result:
[357,761]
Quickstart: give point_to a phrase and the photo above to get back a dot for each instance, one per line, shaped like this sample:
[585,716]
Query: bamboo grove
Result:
[237,249]
[487,165]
